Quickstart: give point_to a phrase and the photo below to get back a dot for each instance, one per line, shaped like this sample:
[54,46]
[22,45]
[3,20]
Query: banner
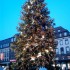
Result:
[1,56]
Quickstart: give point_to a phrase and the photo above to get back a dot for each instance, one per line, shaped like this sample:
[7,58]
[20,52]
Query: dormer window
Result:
[65,33]
[58,30]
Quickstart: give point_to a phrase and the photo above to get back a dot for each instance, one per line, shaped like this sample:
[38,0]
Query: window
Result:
[58,30]
[65,34]
[7,44]
[61,42]
[4,59]
[62,50]
[54,31]
[67,49]
[0,46]
[4,50]
[57,51]
[60,35]
[66,41]
[7,59]
[12,39]
[3,45]
[7,54]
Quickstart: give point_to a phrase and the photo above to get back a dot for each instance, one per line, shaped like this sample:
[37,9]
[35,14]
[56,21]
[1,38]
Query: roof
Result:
[61,32]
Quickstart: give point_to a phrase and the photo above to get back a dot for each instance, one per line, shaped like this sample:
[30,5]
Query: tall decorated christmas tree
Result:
[34,45]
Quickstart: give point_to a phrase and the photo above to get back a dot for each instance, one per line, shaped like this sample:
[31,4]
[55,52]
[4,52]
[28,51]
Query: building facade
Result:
[62,36]
[6,54]
[63,47]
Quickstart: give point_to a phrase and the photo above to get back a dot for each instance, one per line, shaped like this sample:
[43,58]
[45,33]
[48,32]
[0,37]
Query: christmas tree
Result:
[34,45]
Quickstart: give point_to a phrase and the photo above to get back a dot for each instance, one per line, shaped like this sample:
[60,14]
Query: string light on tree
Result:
[32,11]
[43,37]
[31,2]
[35,42]
[39,54]
[50,47]
[47,51]
[21,33]
[28,7]
[27,45]
[32,58]
[32,21]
